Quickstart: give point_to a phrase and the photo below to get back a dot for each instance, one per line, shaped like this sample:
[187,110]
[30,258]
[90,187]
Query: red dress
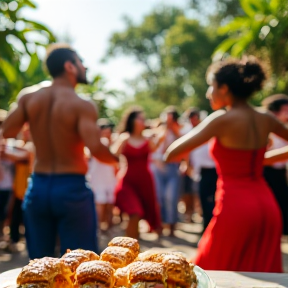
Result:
[135,192]
[244,233]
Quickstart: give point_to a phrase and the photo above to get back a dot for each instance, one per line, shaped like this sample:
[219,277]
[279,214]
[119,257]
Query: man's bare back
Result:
[61,125]
[53,113]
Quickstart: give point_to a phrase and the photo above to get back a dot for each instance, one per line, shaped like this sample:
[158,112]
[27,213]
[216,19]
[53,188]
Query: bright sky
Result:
[90,23]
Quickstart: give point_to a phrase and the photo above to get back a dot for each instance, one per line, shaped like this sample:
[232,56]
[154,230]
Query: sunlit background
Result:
[89,24]
[152,53]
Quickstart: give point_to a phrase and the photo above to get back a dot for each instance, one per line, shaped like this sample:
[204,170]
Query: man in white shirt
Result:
[276,174]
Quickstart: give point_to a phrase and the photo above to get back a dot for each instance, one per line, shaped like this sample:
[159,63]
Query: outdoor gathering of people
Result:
[66,173]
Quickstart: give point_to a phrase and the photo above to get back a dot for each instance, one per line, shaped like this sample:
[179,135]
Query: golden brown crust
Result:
[156,256]
[39,270]
[44,270]
[126,242]
[97,270]
[117,256]
[90,254]
[75,257]
[121,277]
[146,271]
[178,270]
[150,266]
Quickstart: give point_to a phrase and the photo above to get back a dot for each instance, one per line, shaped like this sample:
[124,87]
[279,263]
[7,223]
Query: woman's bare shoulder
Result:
[217,115]
[264,113]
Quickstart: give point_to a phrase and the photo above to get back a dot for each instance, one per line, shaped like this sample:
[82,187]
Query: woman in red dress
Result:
[244,233]
[135,192]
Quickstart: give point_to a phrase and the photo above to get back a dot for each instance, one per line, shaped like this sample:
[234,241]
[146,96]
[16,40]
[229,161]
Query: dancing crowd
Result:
[64,172]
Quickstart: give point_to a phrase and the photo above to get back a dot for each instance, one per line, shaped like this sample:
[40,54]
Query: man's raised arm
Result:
[90,134]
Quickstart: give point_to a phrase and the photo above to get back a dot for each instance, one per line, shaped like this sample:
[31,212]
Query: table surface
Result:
[223,279]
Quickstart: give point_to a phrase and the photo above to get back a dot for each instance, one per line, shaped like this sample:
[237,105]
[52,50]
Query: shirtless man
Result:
[58,202]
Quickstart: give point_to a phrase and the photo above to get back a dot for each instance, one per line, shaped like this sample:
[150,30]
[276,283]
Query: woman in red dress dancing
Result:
[244,233]
[135,192]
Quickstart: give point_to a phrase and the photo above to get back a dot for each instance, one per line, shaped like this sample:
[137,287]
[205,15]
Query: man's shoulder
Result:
[85,103]
[33,89]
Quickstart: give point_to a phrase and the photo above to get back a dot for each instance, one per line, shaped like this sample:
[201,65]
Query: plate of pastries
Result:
[120,265]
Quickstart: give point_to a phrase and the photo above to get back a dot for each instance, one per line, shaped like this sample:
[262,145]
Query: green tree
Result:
[16,49]
[97,92]
[145,41]
[152,107]
[188,48]
[218,11]
[263,31]
[175,52]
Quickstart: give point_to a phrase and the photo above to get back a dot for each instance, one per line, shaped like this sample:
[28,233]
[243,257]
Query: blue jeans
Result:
[168,186]
[59,205]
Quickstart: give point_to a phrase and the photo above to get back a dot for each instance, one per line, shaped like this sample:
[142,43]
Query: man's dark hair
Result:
[191,112]
[172,110]
[56,57]
[275,102]
[104,123]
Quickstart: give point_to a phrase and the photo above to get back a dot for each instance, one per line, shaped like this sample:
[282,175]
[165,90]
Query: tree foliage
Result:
[217,11]
[20,38]
[175,52]
[188,54]
[97,92]
[263,31]
[145,40]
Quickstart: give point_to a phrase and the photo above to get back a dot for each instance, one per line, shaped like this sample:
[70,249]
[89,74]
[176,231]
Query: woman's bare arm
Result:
[155,142]
[276,155]
[278,128]
[280,154]
[119,144]
[196,137]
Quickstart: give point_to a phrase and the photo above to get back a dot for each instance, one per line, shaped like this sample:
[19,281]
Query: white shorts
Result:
[104,195]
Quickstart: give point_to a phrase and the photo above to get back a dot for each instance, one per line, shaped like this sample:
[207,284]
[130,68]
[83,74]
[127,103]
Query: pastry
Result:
[126,242]
[117,256]
[146,272]
[156,256]
[73,258]
[121,277]
[46,272]
[179,273]
[94,274]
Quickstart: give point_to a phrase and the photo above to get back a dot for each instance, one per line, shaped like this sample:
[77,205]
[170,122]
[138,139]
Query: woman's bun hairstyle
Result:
[243,77]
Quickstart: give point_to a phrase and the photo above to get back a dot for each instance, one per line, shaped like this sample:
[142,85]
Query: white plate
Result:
[8,279]
[204,280]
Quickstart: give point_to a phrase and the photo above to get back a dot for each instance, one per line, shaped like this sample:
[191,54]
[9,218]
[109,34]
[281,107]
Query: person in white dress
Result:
[102,179]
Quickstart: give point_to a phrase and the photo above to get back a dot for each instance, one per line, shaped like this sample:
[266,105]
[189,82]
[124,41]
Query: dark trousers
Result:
[277,181]
[207,189]
[4,200]
[59,205]
[16,220]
